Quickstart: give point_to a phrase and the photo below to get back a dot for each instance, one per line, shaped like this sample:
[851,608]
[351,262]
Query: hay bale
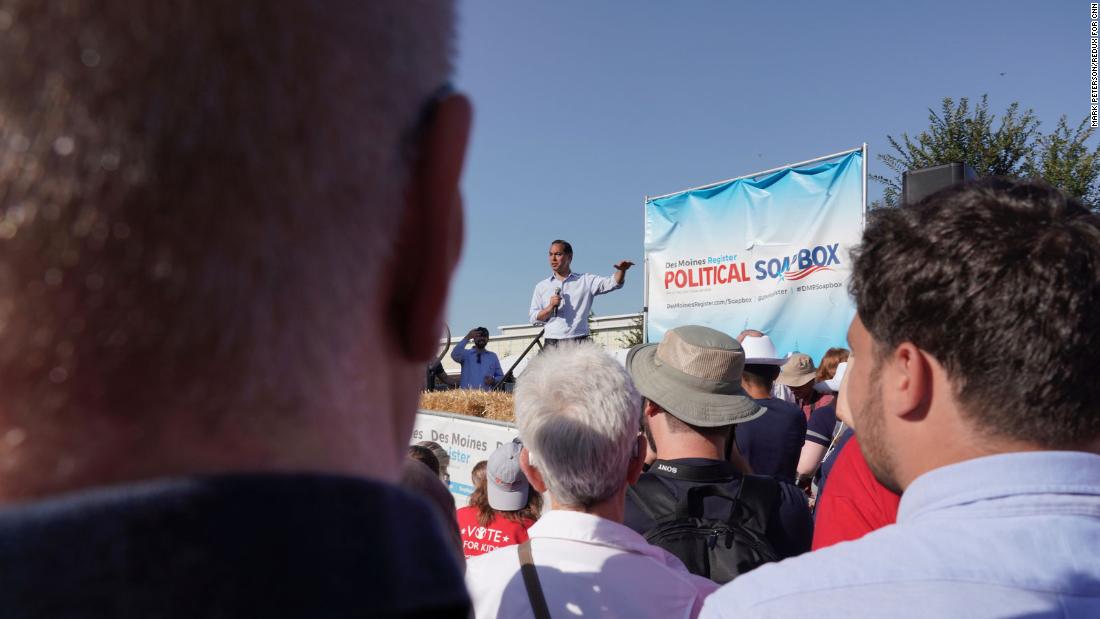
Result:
[495,405]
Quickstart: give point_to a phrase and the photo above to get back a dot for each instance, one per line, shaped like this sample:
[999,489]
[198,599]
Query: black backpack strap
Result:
[531,581]
[653,498]
[758,495]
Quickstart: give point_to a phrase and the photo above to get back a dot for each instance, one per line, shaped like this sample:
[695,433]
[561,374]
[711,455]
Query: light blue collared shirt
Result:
[476,365]
[1011,535]
[577,292]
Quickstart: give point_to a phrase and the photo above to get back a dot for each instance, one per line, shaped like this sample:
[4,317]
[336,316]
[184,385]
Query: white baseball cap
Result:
[507,485]
[834,383]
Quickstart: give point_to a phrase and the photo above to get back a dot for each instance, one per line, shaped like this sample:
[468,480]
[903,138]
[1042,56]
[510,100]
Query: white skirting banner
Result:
[468,440]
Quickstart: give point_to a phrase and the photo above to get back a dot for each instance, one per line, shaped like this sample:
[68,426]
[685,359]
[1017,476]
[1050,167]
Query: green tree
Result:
[1063,159]
[961,133]
[633,336]
[1015,147]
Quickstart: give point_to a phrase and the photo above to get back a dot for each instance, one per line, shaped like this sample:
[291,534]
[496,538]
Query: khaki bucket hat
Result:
[797,371]
[694,373]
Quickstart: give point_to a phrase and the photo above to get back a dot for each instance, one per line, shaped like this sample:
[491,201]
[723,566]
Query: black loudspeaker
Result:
[919,184]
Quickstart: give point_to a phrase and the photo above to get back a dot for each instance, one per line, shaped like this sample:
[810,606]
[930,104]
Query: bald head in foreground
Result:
[215,220]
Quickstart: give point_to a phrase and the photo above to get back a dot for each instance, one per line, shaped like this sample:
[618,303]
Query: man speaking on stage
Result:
[563,301]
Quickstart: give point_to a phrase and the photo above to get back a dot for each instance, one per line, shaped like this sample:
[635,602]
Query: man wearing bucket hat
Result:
[800,374]
[693,398]
[773,441]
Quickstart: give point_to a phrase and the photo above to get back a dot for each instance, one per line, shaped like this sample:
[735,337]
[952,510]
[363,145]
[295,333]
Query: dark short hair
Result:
[483,330]
[679,426]
[425,455]
[565,246]
[999,280]
[760,374]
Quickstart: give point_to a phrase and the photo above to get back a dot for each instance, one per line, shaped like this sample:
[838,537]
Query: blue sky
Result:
[584,108]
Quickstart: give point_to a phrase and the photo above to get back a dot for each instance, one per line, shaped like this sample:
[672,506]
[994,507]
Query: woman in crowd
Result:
[477,475]
[502,506]
[829,362]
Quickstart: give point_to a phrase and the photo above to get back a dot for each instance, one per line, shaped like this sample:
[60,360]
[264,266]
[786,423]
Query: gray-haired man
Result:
[577,413]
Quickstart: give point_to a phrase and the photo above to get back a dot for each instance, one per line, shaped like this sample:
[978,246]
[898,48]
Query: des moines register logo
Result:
[726,269]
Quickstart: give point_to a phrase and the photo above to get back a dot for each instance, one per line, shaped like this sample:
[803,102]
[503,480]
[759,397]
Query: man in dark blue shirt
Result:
[773,441]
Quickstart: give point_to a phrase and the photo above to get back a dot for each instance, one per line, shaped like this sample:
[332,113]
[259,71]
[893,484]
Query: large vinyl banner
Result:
[767,253]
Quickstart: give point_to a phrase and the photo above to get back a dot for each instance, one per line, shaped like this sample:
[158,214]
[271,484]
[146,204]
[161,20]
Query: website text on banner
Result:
[769,253]
[468,440]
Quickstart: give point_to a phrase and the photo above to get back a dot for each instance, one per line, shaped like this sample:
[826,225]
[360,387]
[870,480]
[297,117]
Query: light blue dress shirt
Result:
[577,292]
[1011,535]
[475,367]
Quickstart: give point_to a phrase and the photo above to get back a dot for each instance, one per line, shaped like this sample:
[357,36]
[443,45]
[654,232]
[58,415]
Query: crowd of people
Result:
[223,233]
[719,459]
[736,494]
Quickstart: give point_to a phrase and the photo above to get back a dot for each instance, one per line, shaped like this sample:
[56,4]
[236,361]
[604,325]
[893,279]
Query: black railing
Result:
[508,375]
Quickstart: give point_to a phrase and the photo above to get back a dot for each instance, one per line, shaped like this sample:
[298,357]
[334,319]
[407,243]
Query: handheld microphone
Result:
[557,293]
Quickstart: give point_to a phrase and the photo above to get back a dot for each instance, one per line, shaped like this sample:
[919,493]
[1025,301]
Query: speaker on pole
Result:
[919,184]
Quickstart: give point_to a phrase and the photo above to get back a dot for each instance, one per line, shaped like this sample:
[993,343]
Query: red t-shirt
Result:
[477,540]
[853,503]
[816,401]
